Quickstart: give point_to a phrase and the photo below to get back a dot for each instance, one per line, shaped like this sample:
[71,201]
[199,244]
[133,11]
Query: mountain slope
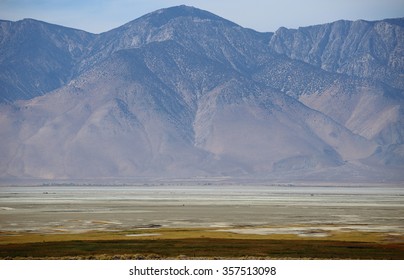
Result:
[369,100]
[37,57]
[361,48]
[181,92]
[194,29]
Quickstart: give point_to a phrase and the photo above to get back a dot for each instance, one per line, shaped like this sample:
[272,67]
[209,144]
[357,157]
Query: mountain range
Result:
[183,93]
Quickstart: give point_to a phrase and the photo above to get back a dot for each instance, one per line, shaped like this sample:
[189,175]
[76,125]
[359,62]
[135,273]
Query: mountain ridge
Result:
[197,96]
[360,48]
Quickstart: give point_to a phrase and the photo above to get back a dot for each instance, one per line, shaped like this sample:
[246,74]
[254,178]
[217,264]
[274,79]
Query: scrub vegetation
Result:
[199,243]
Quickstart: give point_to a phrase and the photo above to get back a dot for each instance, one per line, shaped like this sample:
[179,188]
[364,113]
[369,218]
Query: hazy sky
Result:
[263,15]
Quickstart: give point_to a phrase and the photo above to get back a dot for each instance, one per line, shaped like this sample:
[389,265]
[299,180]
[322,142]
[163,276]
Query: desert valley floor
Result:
[223,221]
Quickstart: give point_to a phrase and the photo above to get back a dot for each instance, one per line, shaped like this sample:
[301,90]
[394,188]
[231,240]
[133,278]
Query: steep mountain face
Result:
[196,30]
[37,57]
[373,51]
[184,93]
[364,49]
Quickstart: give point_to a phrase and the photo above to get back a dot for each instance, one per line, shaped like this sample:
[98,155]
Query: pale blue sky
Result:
[263,15]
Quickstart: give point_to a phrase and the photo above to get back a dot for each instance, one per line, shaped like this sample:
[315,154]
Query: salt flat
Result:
[301,210]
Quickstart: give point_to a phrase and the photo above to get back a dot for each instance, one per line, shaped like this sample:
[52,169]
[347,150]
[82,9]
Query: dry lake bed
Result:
[360,215]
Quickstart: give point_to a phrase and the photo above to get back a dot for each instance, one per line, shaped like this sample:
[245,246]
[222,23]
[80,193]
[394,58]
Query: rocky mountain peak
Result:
[164,16]
[181,92]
